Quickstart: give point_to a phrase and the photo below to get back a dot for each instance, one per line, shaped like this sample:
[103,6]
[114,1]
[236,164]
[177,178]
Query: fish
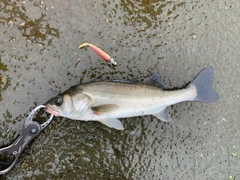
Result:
[107,101]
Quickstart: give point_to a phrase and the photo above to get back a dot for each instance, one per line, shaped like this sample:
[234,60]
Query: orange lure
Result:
[100,52]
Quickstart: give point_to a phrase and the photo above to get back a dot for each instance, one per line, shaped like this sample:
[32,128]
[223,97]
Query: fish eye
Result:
[59,101]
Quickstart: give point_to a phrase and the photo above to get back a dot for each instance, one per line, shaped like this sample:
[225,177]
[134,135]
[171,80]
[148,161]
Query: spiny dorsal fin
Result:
[123,81]
[104,108]
[155,80]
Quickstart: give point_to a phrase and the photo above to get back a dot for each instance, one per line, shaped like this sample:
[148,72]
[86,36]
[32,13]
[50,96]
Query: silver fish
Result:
[107,101]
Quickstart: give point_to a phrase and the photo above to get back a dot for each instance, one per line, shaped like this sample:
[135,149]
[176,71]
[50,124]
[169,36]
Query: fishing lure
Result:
[100,52]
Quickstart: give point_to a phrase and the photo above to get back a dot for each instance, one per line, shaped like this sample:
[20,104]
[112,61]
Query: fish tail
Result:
[203,85]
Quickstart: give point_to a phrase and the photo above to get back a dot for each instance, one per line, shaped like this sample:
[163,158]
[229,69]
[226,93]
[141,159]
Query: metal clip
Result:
[31,115]
[29,131]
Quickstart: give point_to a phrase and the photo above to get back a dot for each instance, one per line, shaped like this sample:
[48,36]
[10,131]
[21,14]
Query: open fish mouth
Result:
[50,110]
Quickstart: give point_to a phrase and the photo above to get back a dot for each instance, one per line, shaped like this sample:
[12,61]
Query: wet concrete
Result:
[39,58]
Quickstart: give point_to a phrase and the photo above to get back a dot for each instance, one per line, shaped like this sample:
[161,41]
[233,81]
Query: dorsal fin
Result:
[123,81]
[155,80]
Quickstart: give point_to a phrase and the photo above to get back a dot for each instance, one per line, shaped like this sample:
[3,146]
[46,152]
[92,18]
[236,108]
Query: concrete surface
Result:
[39,57]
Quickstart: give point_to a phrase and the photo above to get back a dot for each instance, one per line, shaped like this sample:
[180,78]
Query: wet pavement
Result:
[39,57]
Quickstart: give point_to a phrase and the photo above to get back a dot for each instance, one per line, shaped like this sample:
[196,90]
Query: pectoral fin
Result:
[163,115]
[113,123]
[104,108]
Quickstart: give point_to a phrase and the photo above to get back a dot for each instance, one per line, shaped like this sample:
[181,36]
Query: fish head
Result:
[59,105]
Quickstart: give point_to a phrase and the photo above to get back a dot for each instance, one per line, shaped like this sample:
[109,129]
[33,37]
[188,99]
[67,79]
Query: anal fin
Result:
[163,115]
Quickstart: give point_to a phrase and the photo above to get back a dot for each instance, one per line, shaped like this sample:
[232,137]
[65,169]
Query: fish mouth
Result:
[50,110]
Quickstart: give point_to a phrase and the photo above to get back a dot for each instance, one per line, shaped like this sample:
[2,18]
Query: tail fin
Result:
[203,84]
